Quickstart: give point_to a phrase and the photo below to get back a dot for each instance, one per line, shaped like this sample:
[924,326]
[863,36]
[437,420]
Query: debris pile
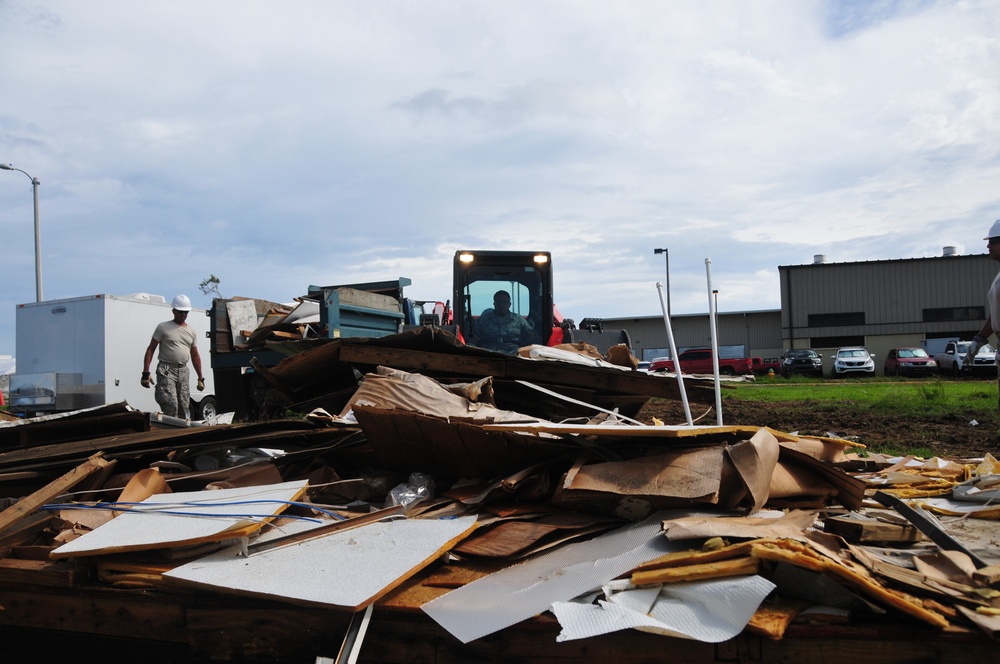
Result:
[422,489]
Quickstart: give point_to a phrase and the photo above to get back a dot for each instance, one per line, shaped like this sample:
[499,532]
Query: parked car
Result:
[952,360]
[699,361]
[658,364]
[909,361]
[853,361]
[801,361]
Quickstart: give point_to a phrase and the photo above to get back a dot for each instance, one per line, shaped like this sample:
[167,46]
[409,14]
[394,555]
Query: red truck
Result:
[762,365]
[699,361]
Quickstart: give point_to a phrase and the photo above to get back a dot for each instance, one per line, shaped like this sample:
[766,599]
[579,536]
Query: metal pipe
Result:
[715,342]
[673,354]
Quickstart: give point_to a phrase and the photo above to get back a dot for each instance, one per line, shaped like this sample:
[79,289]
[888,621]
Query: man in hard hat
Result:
[500,329]
[992,324]
[178,344]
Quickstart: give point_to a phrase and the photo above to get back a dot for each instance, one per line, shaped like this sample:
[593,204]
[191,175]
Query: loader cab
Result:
[526,275]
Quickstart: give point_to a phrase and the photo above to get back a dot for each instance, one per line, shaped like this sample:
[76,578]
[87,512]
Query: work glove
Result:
[201,384]
[977,343]
[146,380]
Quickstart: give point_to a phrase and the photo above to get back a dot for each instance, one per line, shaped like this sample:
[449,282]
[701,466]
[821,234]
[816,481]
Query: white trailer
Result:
[87,351]
[935,346]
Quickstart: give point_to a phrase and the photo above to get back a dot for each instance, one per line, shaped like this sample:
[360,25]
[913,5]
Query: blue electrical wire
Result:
[154,509]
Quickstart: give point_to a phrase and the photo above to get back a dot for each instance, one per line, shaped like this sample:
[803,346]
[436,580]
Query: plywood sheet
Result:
[347,569]
[183,519]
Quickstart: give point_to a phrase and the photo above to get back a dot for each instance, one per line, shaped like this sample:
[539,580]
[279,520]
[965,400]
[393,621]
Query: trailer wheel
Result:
[205,409]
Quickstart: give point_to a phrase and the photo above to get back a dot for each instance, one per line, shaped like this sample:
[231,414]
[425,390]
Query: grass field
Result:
[927,417]
[918,398]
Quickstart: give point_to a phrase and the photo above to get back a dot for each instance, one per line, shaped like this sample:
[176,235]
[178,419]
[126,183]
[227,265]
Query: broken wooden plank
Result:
[717,570]
[989,575]
[52,490]
[160,441]
[864,531]
[111,419]
[41,572]
[774,616]
[24,530]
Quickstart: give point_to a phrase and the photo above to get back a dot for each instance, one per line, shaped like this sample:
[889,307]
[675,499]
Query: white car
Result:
[854,360]
[952,360]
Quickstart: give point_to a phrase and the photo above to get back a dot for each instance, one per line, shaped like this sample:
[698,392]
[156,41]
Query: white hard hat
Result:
[994,230]
[181,303]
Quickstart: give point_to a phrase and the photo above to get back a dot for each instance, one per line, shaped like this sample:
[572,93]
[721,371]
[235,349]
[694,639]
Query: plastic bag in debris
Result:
[418,487]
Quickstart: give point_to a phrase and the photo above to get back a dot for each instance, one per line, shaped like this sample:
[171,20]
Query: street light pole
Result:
[666,257]
[38,232]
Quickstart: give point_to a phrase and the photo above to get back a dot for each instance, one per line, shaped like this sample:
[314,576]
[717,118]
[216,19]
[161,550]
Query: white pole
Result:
[38,243]
[715,343]
[38,230]
[673,355]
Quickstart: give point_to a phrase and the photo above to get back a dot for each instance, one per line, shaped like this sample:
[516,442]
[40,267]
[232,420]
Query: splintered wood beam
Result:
[858,531]
[56,487]
[717,570]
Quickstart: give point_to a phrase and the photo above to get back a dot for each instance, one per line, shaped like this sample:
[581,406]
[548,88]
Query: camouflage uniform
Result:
[505,334]
[173,389]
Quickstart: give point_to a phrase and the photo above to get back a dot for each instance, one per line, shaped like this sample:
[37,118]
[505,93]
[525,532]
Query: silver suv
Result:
[853,360]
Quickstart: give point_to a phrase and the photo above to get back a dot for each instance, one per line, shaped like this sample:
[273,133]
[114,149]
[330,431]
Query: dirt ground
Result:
[951,436]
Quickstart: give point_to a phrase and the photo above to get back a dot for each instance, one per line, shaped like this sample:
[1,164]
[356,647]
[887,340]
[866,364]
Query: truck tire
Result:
[727,371]
[956,371]
[204,409]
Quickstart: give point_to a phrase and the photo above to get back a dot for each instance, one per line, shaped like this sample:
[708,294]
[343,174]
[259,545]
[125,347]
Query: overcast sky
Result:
[282,144]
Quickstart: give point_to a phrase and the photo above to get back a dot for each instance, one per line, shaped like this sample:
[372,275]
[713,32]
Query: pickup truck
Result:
[699,361]
[952,360]
[762,365]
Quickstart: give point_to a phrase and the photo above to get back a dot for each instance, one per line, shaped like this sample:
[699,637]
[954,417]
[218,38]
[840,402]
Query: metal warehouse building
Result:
[824,306]
[741,334]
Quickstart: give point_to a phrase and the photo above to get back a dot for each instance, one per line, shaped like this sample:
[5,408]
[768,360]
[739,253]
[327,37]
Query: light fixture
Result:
[666,256]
